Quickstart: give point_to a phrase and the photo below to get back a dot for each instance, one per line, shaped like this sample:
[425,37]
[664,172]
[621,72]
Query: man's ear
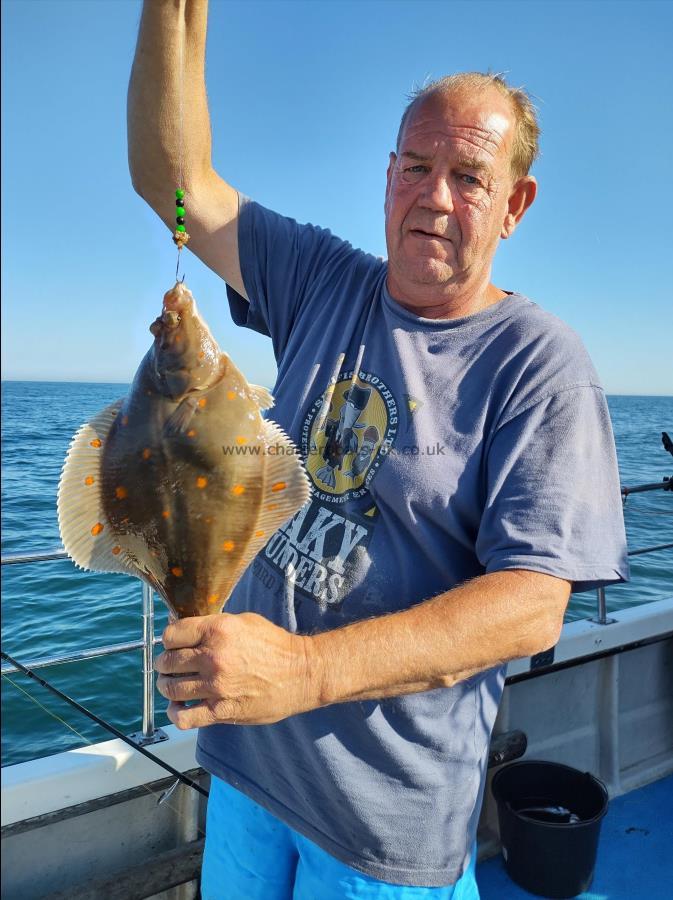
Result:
[389,180]
[522,195]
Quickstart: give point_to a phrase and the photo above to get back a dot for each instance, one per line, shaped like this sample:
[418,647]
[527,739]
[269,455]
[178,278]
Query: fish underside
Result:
[181,482]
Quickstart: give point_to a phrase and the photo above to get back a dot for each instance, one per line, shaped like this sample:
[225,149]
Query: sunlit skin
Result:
[450,198]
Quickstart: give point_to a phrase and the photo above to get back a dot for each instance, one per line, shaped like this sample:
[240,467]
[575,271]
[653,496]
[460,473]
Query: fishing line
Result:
[47,710]
[180,236]
[163,798]
[108,727]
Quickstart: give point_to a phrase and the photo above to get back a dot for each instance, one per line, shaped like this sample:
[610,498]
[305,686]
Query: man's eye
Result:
[413,174]
[470,180]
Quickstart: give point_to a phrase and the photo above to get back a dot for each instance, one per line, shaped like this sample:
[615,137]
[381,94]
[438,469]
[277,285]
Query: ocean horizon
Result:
[116,383]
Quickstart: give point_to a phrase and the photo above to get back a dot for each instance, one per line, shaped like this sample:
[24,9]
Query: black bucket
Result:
[550,820]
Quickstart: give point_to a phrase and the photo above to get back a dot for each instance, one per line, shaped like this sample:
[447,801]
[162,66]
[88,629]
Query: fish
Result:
[183,481]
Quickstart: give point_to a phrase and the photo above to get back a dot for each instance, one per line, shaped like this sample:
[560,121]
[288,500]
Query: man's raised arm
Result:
[160,87]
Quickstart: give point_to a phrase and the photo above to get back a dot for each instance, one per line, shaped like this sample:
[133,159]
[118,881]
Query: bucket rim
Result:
[522,763]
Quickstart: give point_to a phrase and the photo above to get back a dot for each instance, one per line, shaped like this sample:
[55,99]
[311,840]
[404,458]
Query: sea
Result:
[51,608]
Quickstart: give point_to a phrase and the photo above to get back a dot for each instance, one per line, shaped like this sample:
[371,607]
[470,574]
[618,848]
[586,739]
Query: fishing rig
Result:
[180,235]
[180,776]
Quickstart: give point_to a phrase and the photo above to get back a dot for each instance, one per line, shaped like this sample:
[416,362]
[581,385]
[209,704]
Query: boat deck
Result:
[635,852]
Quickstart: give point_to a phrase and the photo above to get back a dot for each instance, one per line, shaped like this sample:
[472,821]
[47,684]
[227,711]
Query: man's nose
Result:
[436,193]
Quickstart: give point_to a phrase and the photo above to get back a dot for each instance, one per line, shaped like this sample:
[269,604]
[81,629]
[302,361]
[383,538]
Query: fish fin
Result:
[85,531]
[284,467]
[261,396]
[287,484]
[179,420]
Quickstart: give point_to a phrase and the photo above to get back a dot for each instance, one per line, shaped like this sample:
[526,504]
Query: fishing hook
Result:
[177,266]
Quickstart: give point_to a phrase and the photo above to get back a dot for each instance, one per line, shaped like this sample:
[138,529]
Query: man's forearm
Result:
[243,668]
[414,687]
[168,121]
[444,640]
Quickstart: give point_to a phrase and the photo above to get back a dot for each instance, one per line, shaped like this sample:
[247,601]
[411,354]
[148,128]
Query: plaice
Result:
[182,482]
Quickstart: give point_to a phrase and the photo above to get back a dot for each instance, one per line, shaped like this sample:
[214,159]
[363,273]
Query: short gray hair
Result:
[526,141]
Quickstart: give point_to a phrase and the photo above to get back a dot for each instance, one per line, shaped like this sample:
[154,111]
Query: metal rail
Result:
[148,664]
[650,549]
[150,733]
[601,617]
[665,485]
[16,559]
[77,655]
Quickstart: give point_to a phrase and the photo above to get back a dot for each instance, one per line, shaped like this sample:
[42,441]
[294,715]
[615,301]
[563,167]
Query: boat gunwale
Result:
[84,774]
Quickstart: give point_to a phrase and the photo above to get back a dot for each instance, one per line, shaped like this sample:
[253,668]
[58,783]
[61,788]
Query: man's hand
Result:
[241,669]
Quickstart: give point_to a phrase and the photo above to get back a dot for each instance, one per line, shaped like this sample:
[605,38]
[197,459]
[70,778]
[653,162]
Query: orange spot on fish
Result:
[201,482]
[121,493]
[228,546]
[165,514]
[241,440]
[125,420]
[238,489]
[272,506]
[178,338]
[213,598]
[278,486]
[147,453]
[177,571]
[208,520]
[89,479]
[96,442]
[117,550]
[202,402]
[259,534]
[97,528]
[231,395]
[191,433]
[201,354]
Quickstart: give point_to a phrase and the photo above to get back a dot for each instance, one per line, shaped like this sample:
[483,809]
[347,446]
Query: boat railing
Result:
[150,733]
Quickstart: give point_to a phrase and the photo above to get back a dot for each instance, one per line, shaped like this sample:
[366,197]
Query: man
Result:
[456,438]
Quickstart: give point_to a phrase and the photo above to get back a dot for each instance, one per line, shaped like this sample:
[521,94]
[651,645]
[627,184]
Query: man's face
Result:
[448,197]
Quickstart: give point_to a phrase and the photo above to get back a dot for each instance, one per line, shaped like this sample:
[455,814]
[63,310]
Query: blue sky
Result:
[305,99]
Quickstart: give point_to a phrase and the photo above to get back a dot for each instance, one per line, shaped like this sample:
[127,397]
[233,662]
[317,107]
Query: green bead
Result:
[179,210]
[180,228]
[179,194]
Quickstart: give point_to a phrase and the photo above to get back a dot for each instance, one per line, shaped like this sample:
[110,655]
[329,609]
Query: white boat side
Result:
[45,785]
[601,701]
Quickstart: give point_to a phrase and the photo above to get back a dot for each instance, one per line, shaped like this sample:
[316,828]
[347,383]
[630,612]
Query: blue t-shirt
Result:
[459,447]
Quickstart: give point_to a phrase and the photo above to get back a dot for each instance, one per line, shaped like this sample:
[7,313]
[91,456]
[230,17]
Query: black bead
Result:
[180,220]
[180,202]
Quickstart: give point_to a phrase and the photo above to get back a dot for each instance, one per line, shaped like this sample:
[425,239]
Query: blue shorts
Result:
[251,855]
